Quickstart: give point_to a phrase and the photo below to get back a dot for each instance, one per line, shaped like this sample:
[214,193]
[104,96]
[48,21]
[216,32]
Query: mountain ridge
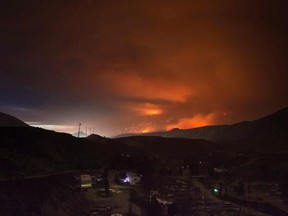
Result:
[11,121]
[29,150]
[273,126]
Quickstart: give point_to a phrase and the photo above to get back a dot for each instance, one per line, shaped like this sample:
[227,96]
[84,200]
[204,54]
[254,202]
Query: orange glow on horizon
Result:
[147,130]
[196,121]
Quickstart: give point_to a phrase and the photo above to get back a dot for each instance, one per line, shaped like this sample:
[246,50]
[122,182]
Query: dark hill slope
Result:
[265,134]
[208,132]
[97,138]
[28,150]
[169,147]
[10,121]
[272,127]
[268,133]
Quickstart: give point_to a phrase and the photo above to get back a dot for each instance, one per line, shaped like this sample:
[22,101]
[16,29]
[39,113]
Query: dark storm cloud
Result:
[143,65]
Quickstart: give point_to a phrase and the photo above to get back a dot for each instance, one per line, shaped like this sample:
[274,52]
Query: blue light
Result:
[127,179]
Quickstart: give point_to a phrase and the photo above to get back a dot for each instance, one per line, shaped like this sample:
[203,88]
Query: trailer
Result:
[86,181]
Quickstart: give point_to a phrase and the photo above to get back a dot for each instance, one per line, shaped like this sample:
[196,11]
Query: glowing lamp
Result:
[126,180]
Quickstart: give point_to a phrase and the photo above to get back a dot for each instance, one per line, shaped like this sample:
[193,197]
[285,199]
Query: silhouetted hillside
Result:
[269,132]
[207,133]
[272,127]
[10,121]
[96,137]
[169,147]
[29,150]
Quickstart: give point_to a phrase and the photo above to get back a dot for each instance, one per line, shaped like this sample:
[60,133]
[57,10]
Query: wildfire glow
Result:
[135,86]
[145,109]
[196,121]
[146,130]
[153,112]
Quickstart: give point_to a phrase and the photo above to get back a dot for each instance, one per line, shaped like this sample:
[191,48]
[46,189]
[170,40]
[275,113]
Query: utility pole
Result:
[79,125]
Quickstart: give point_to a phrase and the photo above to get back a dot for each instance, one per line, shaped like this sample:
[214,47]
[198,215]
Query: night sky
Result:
[136,66]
